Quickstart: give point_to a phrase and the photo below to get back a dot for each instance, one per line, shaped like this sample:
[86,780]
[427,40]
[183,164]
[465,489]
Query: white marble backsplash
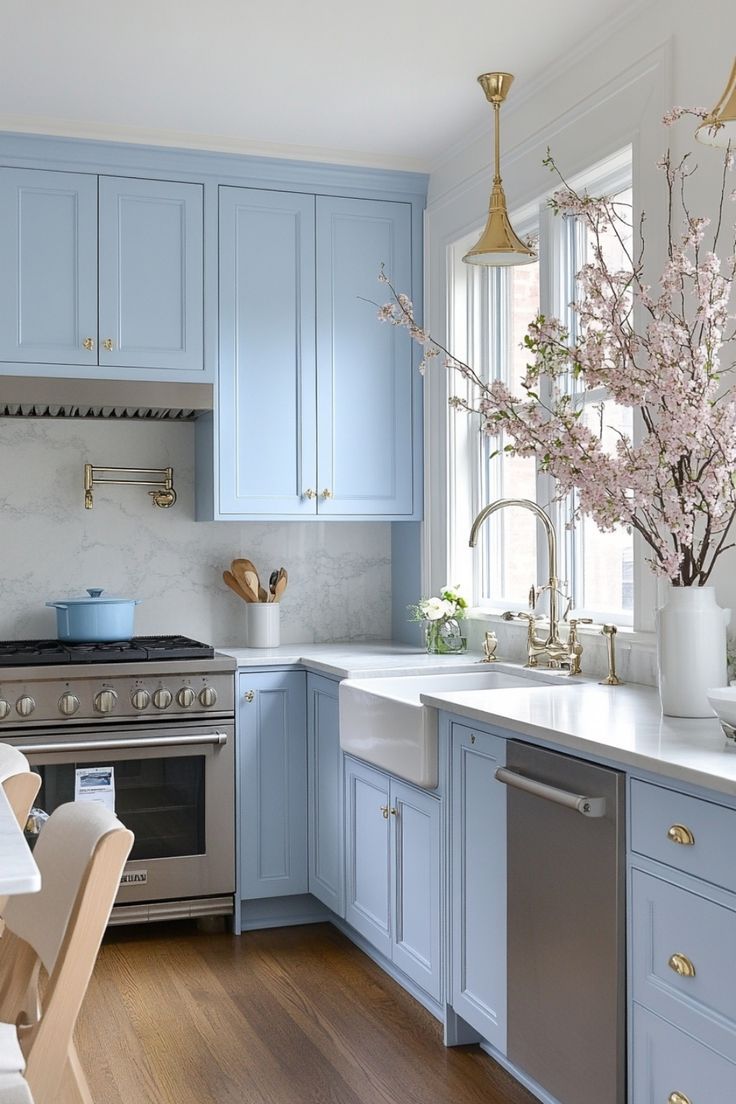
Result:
[51,547]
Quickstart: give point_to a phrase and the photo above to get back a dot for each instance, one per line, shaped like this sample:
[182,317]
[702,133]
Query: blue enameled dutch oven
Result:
[95,619]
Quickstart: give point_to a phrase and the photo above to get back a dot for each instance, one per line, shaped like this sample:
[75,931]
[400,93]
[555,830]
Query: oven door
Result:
[174,789]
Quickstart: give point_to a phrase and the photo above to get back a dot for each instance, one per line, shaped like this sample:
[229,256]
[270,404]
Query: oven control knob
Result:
[162,698]
[68,704]
[4,708]
[140,699]
[25,706]
[208,697]
[185,697]
[105,701]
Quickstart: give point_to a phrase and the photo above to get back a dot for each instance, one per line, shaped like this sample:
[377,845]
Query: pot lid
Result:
[95,598]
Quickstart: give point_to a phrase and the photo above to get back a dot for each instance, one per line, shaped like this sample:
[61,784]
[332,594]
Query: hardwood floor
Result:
[287,1016]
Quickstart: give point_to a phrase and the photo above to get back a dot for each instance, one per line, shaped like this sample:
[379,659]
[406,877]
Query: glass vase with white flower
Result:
[441,617]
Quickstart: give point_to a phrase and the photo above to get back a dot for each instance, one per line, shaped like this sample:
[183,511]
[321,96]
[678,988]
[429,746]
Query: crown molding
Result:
[536,86]
[209,143]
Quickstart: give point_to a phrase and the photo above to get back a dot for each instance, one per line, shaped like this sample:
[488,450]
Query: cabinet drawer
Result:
[657,819]
[670,1067]
[669,921]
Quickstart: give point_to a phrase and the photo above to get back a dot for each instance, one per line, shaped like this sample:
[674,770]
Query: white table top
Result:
[18,871]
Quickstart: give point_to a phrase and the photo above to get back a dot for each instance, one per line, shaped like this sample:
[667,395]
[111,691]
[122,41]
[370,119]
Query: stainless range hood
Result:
[44,397]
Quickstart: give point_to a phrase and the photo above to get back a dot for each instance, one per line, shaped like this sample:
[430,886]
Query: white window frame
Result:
[469,337]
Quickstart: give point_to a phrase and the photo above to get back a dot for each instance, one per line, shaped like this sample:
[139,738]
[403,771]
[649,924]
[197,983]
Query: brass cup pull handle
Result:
[107,345]
[249,695]
[682,965]
[678,1098]
[88,343]
[310,494]
[680,833]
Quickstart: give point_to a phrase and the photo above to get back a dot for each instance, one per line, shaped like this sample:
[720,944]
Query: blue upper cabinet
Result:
[319,407]
[151,275]
[103,274]
[48,274]
[266,398]
[364,368]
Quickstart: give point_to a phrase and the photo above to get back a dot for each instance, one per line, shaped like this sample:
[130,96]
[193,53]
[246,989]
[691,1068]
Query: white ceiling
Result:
[389,82]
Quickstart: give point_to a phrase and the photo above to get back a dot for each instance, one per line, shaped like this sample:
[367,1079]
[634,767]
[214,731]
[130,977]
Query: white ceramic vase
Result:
[691,650]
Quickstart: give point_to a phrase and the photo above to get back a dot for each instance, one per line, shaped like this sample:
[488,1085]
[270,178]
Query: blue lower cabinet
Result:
[325,800]
[478,883]
[393,877]
[670,1067]
[368,858]
[415,854]
[273,784]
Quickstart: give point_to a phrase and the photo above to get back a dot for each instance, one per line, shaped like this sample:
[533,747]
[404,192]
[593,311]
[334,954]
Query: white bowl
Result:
[723,703]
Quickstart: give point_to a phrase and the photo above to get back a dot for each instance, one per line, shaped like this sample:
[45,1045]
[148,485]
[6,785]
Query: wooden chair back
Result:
[81,852]
[20,783]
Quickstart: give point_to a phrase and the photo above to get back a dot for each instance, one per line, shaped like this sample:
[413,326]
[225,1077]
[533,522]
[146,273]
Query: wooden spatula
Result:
[281,584]
[247,580]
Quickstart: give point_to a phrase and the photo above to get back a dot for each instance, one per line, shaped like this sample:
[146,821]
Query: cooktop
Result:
[36,653]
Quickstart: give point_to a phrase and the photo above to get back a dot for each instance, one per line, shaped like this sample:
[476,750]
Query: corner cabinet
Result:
[102,276]
[325,795]
[273,784]
[394,872]
[318,410]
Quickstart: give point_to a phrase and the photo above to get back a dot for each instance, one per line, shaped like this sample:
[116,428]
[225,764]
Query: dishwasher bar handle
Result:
[118,745]
[589,806]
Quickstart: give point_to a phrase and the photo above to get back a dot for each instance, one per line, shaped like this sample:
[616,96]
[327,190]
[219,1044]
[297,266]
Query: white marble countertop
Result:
[353,660]
[620,723]
[18,871]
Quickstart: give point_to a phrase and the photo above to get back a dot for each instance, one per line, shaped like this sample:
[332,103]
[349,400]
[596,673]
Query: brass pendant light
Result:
[498,244]
[719,128]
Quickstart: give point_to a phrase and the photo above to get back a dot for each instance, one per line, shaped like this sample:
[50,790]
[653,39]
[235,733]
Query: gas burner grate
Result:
[39,653]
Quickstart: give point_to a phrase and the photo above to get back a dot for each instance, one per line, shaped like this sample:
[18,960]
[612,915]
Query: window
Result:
[490,310]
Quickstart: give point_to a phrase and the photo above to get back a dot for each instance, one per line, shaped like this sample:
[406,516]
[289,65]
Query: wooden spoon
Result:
[272,581]
[241,579]
[281,584]
[234,585]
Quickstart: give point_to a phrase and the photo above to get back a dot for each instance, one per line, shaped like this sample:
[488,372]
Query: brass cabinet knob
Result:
[394,812]
[384,812]
[679,833]
[678,1098]
[88,343]
[309,493]
[249,695]
[327,493]
[682,965]
[107,345]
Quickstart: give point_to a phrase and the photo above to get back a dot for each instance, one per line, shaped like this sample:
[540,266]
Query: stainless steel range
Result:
[160,712]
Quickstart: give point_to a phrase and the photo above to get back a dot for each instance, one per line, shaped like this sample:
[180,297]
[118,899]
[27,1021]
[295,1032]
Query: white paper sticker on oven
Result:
[96,784]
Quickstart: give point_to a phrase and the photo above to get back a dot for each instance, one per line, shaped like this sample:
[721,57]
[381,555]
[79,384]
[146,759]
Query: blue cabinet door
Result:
[151,275]
[266,401]
[415,853]
[326,834]
[368,858]
[478,883]
[364,367]
[48,274]
[273,784]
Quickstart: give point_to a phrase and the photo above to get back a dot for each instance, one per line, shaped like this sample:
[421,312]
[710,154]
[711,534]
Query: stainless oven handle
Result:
[117,745]
[588,806]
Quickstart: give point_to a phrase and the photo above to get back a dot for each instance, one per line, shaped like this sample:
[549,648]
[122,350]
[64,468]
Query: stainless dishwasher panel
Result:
[566,924]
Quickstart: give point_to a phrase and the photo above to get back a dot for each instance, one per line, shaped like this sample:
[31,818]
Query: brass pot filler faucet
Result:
[557,654]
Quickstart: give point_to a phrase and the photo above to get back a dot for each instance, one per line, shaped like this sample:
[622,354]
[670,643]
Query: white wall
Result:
[51,547]
[608,92]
